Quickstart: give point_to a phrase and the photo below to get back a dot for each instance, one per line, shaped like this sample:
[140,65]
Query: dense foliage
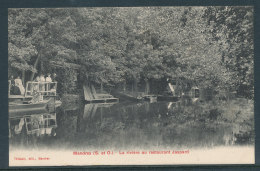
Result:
[208,46]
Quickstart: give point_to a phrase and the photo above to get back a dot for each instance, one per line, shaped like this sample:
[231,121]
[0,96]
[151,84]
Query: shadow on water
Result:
[183,124]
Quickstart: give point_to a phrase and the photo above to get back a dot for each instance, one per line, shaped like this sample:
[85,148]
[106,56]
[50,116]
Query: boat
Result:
[19,110]
[45,102]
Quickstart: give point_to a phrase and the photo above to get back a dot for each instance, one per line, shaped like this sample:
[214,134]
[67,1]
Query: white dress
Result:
[42,85]
[48,79]
[42,79]
[18,83]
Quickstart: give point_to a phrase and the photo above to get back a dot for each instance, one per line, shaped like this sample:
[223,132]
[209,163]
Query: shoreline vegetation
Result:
[135,48]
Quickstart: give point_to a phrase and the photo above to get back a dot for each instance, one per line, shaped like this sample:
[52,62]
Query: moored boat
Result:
[30,103]
[19,110]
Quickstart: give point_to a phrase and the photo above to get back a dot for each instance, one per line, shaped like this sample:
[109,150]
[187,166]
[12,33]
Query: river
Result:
[184,124]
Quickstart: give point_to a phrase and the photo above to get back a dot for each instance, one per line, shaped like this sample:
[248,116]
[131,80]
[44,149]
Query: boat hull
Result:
[19,110]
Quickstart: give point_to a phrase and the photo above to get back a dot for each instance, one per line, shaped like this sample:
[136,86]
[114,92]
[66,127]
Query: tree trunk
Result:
[35,66]
[147,86]
[132,88]
[41,67]
[135,86]
[23,77]
[124,86]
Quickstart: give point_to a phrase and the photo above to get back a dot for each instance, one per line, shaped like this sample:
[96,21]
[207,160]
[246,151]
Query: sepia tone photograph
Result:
[131,86]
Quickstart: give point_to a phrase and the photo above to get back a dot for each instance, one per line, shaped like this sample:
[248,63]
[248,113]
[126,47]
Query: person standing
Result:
[54,77]
[48,85]
[19,84]
[42,79]
[42,84]
[37,79]
[35,85]
[48,78]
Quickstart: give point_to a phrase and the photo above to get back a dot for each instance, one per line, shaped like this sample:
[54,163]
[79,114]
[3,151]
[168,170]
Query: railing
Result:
[45,88]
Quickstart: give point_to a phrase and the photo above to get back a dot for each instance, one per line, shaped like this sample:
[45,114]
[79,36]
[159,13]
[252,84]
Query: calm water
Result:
[182,124]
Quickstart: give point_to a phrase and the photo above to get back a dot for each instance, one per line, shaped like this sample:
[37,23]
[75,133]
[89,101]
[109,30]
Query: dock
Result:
[91,96]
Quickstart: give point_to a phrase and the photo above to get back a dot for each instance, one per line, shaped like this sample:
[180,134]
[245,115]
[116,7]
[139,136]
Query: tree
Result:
[201,45]
[232,28]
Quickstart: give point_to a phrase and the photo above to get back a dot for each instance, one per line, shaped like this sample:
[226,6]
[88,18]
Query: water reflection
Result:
[40,124]
[183,124]
[24,130]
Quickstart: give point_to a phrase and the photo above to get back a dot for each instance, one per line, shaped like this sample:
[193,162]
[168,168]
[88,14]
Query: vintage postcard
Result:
[131,86]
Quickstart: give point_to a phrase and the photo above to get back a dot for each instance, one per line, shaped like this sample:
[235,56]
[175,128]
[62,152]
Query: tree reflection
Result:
[186,123]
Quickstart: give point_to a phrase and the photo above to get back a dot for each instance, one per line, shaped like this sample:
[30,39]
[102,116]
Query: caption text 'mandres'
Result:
[110,152]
